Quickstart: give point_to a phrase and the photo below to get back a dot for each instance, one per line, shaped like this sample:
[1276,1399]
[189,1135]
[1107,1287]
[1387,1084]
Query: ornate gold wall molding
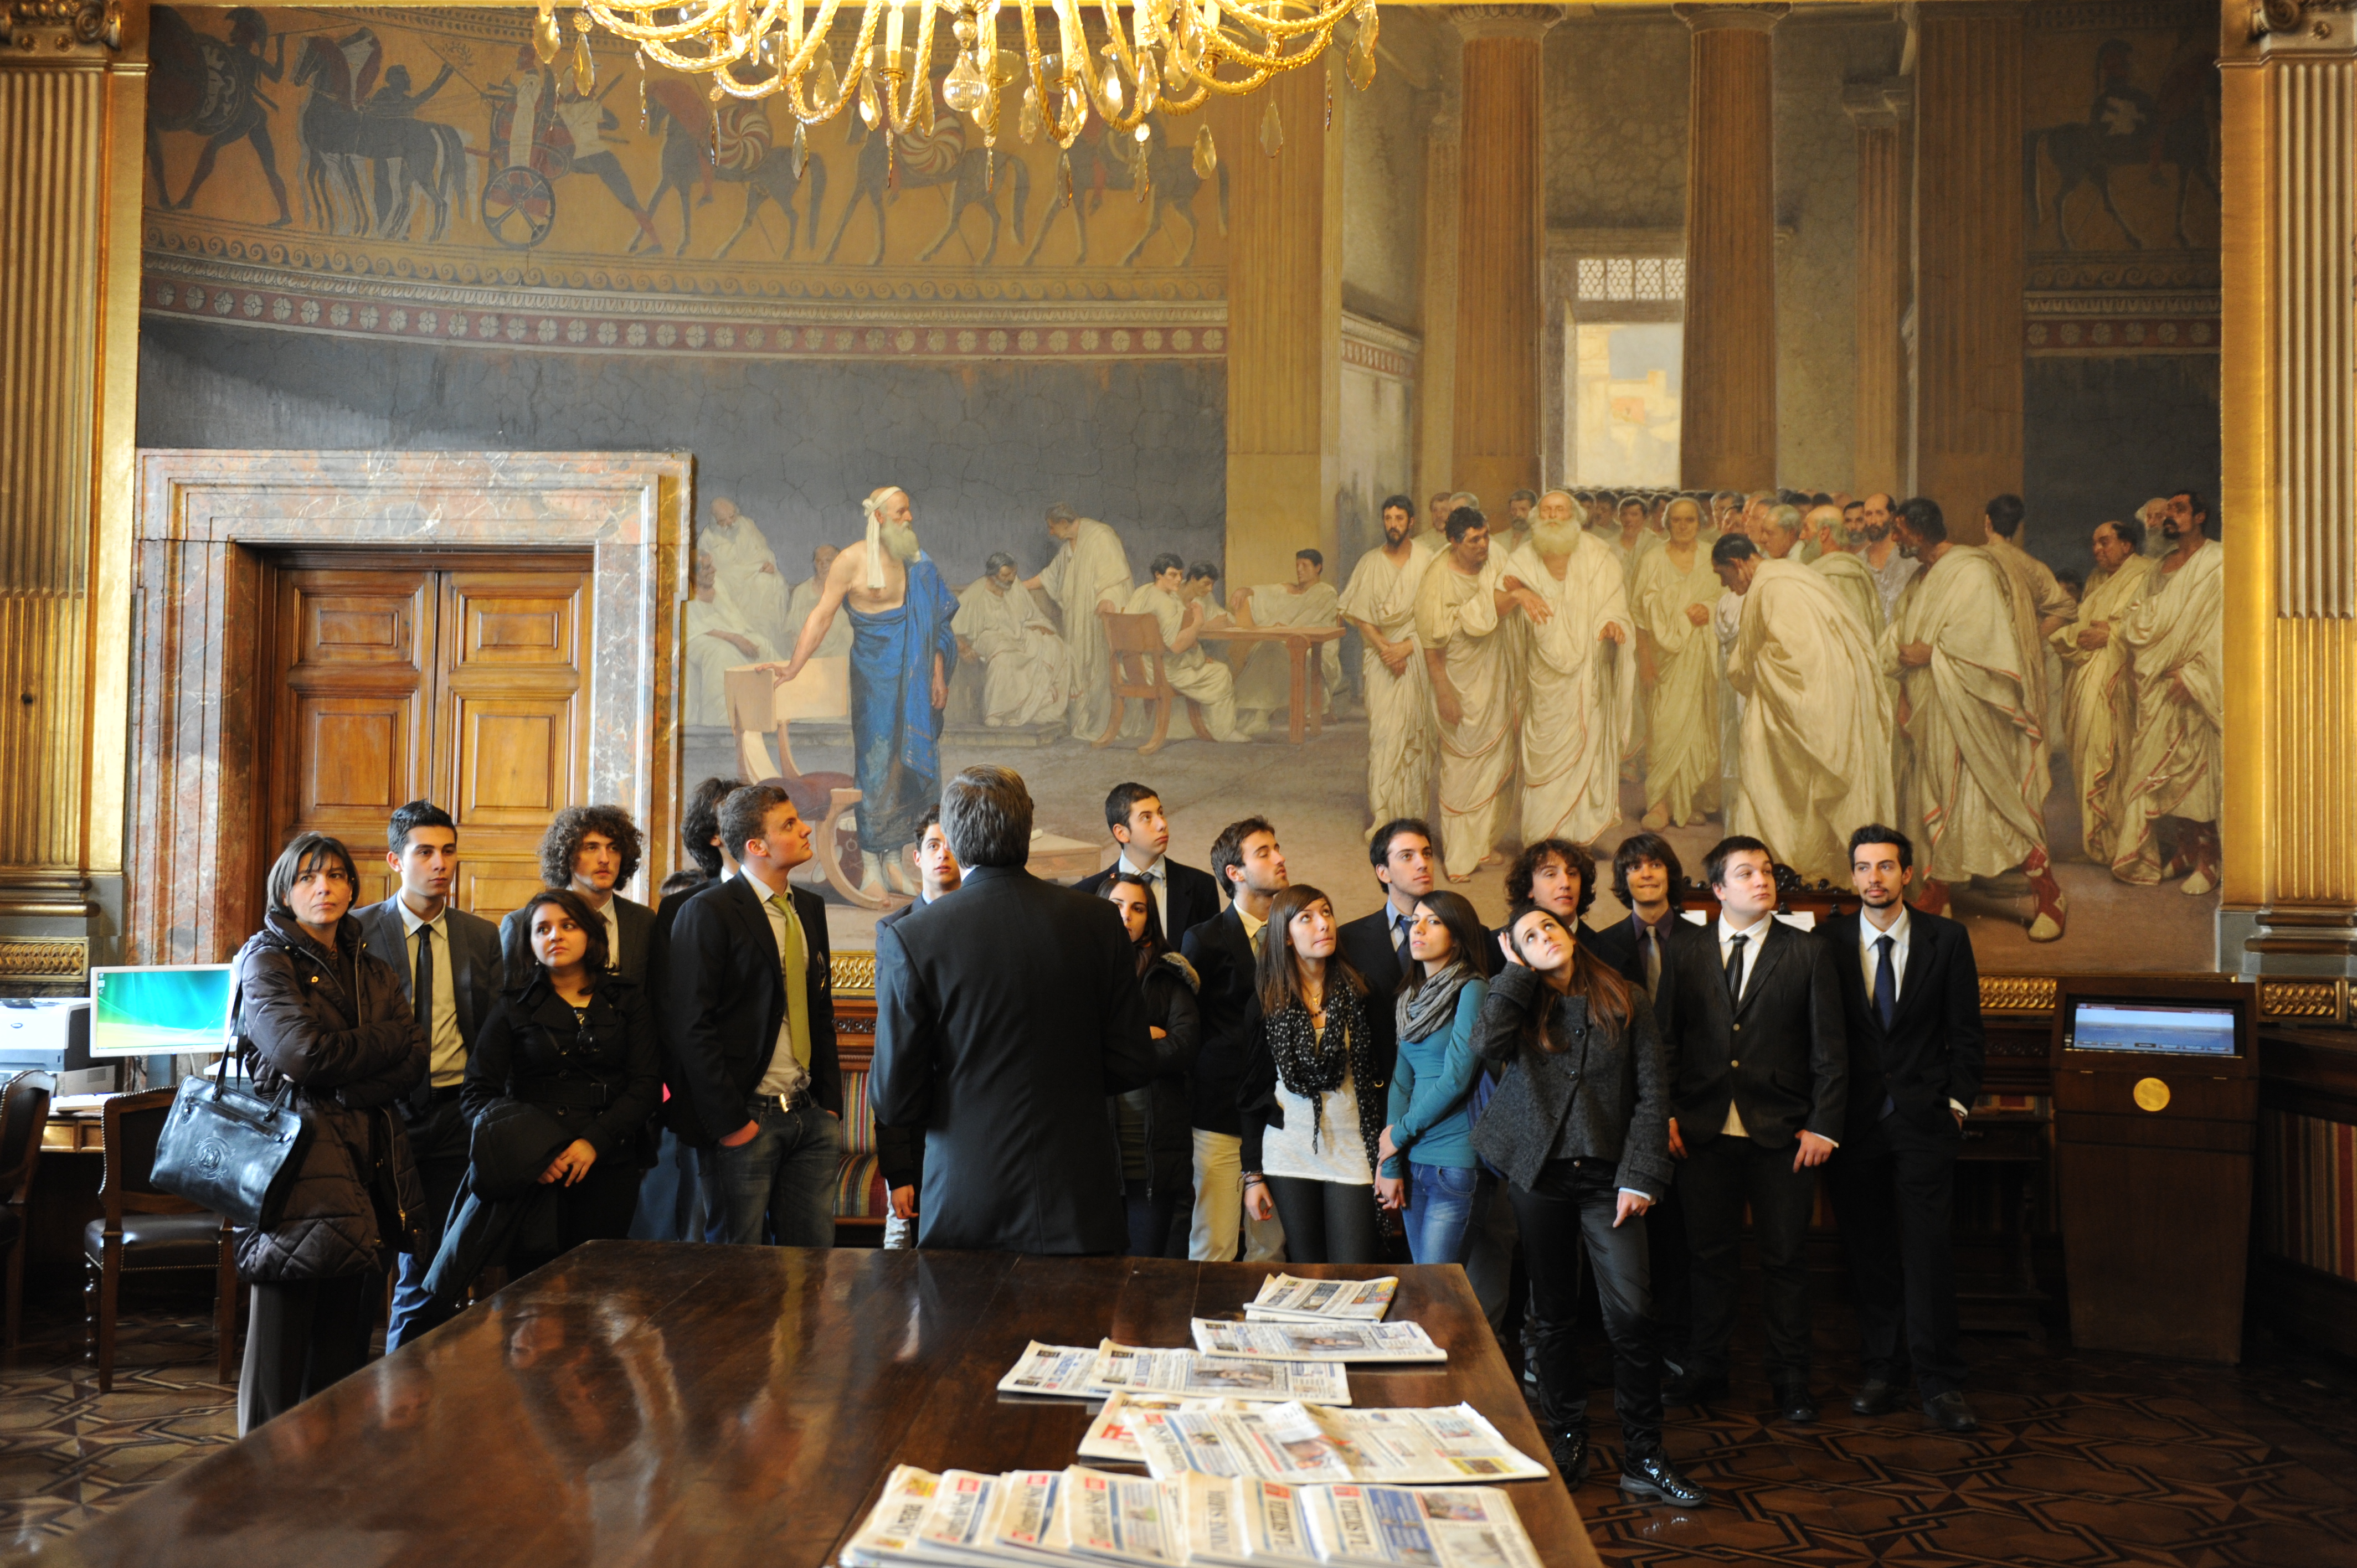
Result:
[36,966]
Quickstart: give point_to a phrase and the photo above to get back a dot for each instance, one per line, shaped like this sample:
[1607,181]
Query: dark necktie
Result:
[1649,953]
[420,991]
[1886,983]
[1735,970]
[1406,955]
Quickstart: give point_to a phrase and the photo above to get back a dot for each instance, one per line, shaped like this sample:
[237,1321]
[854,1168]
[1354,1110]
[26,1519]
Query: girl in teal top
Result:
[1430,1118]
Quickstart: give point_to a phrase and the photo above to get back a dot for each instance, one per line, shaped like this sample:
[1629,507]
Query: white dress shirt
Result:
[1869,938]
[1158,882]
[611,913]
[784,1075]
[1752,934]
[447,1052]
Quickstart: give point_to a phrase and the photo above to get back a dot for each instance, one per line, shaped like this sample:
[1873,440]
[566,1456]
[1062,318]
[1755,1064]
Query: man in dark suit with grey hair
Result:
[1004,1017]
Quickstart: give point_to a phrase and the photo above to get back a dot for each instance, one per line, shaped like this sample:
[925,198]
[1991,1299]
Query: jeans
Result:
[671,1196]
[1444,1203]
[1220,1206]
[1326,1221]
[1566,1223]
[778,1185]
[1149,1218]
[1718,1178]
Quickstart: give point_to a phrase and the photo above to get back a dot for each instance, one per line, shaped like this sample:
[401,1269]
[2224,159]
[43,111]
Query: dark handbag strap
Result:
[279,1102]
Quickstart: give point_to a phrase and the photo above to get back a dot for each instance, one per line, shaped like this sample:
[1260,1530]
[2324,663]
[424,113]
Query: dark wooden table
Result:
[653,1403]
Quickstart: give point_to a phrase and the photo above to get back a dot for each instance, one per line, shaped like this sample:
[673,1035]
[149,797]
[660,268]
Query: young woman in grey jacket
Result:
[1579,1126]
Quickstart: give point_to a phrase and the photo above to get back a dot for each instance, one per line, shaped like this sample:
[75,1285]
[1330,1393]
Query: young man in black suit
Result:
[593,849]
[676,1200]
[900,1151]
[1376,944]
[1247,859]
[1646,878]
[749,1013]
[1751,1008]
[1004,1016]
[1912,997]
[1184,897]
[450,971]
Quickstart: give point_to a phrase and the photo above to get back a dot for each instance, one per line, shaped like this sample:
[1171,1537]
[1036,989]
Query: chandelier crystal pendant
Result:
[1171,57]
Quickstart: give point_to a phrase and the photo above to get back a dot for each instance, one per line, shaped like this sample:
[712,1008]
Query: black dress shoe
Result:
[1796,1404]
[1693,1389]
[1649,1478]
[1949,1412]
[1569,1452]
[1873,1398]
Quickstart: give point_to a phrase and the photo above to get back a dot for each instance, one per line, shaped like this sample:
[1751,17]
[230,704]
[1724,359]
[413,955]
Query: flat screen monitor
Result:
[160,1010]
[2152,1028]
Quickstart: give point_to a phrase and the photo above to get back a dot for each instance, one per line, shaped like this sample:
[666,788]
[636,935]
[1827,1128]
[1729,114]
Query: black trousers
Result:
[1565,1221]
[301,1337]
[1893,1191]
[1665,1235]
[597,1208]
[1720,1177]
[1149,1218]
[1326,1221]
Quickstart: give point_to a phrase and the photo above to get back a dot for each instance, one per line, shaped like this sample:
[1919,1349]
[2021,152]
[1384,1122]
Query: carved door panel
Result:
[402,682]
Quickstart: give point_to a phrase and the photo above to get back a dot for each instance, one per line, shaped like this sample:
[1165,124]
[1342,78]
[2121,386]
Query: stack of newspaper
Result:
[1072,1371]
[1305,1445]
[1078,1516]
[1322,1341]
[1283,1299]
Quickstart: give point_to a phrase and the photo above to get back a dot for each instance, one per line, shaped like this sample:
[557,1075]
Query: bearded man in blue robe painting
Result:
[902,652]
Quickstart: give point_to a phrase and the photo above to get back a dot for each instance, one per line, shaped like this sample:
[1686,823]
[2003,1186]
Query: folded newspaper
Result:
[1318,1341]
[1083,1516]
[1305,1445]
[1071,1371]
[1285,1299]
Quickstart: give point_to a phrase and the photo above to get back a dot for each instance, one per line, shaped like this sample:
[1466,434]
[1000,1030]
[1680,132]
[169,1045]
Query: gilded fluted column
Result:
[1969,259]
[2289,361]
[72,93]
[1727,430]
[1436,391]
[1500,246]
[1879,111]
[1284,329]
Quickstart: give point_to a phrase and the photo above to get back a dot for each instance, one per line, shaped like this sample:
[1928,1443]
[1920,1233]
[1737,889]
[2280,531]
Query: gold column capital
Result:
[1739,18]
[50,32]
[2253,30]
[1504,21]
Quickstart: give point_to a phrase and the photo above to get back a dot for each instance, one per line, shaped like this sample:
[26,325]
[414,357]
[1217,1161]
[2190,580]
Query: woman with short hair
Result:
[325,1020]
[1579,1126]
[1428,1147]
[1312,1096]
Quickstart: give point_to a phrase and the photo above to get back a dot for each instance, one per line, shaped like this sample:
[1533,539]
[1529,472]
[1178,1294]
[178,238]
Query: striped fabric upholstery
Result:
[859,1191]
[2308,1191]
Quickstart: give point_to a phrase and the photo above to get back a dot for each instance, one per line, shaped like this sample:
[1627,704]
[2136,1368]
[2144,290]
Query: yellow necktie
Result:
[795,963]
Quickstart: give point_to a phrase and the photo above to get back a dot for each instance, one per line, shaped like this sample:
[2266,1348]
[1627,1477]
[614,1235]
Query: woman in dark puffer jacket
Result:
[321,1013]
[1155,1124]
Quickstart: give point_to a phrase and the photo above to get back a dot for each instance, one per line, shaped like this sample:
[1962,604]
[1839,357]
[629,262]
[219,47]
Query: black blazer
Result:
[727,1001]
[599,1078]
[1933,1052]
[476,972]
[1616,944]
[1004,1016]
[1194,896]
[1224,962]
[1781,1057]
[635,921]
[1610,1085]
[1367,943]
[900,1151]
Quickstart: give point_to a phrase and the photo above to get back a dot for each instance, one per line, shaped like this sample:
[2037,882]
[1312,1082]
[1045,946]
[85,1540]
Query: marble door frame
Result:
[194,824]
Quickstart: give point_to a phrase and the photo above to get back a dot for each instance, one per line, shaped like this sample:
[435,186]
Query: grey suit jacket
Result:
[1605,1096]
[477,971]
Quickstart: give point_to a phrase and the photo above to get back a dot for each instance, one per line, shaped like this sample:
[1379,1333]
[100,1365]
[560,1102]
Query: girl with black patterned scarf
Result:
[1313,1098]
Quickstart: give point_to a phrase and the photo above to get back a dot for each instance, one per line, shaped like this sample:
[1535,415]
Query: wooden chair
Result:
[148,1231]
[23,1114]
[1134,651]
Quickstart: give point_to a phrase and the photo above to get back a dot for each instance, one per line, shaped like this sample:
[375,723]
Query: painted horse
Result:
[738,147]
[340,133]
[1102,163]
[972,174]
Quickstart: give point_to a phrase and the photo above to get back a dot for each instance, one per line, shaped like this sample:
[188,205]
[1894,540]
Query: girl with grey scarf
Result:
[1427,1150]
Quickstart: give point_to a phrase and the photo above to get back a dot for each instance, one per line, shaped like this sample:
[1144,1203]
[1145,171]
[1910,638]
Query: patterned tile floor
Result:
[2081,1459]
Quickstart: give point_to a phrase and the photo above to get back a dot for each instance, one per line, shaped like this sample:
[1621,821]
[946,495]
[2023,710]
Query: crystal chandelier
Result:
[1171,57]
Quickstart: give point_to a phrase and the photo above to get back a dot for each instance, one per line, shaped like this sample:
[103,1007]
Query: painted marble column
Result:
[1436,392]
[2288,174]
[1727,427]
[1284,327]
[1879,111]
[1969,259]
[72,94]
[1501,242]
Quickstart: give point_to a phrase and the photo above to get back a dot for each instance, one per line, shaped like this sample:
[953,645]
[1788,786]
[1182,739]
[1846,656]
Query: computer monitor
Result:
[157,1010]
[2152,1027]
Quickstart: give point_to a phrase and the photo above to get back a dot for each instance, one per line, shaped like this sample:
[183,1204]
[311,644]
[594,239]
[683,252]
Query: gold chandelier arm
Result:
[1320,21]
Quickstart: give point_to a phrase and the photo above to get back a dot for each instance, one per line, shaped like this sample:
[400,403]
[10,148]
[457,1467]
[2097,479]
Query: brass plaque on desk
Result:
[2151,1094]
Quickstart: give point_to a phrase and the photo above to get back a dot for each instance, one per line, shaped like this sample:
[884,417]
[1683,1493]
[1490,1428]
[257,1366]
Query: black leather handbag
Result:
[228,1149]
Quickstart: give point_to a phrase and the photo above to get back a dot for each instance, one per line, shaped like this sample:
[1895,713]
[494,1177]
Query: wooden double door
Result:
[454,679]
